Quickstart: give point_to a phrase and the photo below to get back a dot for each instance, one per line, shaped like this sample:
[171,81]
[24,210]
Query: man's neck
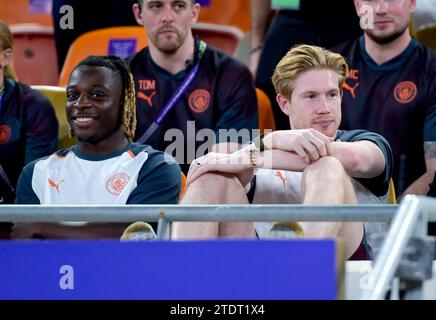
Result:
[103,147]
[176,61]
[381,53]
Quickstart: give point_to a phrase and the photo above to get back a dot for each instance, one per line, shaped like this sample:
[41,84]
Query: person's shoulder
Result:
[29,168]
[137,58]
[159,164]
[422,49]
[425,58]
[63,153]
[30,95]
[28,90]
[222,59]
[136,148]
[57,157]
[156,157]
[346,48]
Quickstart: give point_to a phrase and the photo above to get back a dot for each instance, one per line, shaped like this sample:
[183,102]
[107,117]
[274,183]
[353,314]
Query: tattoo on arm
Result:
[430,149]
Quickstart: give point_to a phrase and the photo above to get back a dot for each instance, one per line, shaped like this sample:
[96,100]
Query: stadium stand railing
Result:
[409,219]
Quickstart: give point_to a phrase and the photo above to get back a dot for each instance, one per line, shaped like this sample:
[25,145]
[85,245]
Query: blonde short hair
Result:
[302,58]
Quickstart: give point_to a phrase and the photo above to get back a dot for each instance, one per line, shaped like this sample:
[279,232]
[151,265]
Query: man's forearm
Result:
[362,159]
[420,186]
[282,160]
[271,159]
[261,15]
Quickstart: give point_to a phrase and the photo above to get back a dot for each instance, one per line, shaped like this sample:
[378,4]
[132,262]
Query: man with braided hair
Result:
[104,167]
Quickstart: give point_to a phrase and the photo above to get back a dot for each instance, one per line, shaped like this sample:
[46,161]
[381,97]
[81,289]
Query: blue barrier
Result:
[161,270]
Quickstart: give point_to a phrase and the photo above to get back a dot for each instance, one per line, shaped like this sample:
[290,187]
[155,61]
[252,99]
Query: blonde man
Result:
[313,163]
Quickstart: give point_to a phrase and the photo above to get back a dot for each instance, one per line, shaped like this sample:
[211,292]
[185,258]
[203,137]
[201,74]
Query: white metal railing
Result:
[411,219]
[165,214]
[152,213]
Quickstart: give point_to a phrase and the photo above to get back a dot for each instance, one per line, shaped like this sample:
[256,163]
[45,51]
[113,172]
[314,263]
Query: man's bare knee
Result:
[326,167]
[215,188]
[326,181]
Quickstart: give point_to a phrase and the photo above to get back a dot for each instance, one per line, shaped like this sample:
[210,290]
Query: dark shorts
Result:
[364,251]
[361,253]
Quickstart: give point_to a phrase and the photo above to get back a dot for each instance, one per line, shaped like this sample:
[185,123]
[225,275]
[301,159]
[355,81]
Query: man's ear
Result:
[357,4]
[412,6]
[196,8]
[283,103]
[137,13]
[7,54]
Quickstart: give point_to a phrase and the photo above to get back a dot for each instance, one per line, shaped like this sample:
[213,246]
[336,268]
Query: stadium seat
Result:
[120,41]
[58,98]
[183,185]
[412,27]
[225,38]
[266,117]
[234,13]
[426,35]
[35,54]
[392,197]
[25,11]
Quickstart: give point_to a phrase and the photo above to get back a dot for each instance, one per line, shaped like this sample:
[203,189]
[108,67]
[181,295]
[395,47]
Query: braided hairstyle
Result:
[128,99]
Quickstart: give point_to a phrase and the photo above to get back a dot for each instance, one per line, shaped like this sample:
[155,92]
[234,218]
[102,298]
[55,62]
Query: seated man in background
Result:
[104,167]
[391,90]
[28,125]
[313,163]
[274,31]
[219,95]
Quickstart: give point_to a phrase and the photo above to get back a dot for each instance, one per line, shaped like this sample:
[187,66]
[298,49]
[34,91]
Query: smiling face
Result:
[94,104]
[167,22]
[391,18]
[315,102]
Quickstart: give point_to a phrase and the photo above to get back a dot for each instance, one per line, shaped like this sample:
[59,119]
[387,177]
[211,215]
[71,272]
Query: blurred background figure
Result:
[28,124]
[391,90]
[275,31]
[220,95]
